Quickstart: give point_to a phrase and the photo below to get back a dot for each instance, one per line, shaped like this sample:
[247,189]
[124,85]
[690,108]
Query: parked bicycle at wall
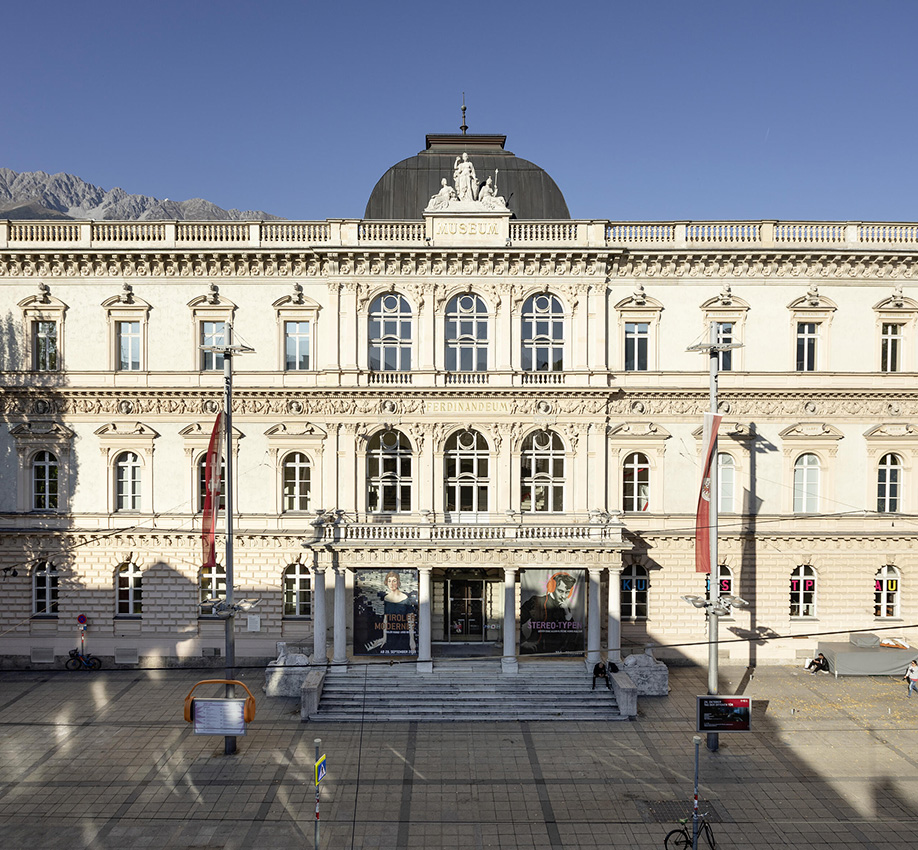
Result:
[79,661]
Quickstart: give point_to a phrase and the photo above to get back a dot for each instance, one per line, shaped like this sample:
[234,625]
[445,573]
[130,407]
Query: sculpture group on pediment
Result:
[467,194]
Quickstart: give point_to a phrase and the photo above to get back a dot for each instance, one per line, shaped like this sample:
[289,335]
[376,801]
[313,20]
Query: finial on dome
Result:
[463,126]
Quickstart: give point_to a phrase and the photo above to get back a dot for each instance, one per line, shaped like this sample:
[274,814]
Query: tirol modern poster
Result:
[552,611]
[385,612]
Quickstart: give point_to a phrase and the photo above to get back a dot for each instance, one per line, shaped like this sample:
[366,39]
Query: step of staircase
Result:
[461,691]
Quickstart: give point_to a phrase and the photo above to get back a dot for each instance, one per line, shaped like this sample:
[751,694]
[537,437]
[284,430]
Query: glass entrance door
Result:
[466,610]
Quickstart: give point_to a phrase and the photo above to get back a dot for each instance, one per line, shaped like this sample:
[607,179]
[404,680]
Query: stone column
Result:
[340,639]
[319,648]
[509,663]
[615,614]
[594,624]
[425,660]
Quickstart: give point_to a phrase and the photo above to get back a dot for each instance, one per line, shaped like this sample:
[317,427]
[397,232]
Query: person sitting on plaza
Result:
[820,662]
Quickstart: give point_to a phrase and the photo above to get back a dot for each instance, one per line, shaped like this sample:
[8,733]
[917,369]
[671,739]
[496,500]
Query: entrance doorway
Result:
[465,610]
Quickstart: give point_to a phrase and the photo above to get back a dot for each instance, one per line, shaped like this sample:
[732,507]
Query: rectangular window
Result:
[128,346]
[212,334]
[724,336]
[45,355]
[890,347]
[637,338]
[296,344]
[807,338]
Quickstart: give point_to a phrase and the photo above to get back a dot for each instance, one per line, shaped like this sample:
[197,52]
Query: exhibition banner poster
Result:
[385,612]
[552,611]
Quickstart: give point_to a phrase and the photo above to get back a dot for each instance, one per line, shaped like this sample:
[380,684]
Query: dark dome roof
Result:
[406,189]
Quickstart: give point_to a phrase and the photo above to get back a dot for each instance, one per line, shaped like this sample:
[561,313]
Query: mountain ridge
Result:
[39,195]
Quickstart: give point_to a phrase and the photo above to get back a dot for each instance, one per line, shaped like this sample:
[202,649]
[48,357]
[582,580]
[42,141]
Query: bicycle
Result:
[79,661]
[680,839]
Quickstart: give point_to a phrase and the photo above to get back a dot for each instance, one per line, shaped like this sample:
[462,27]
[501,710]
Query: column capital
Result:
[426,569]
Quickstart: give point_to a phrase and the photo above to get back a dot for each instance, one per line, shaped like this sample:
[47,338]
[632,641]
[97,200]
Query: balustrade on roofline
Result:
[120,235]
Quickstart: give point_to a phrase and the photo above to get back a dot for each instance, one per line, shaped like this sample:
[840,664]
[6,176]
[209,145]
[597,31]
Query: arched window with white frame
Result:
[889,481]
[806,484]
[389,467]
[635,587]
[542,480]
[466,334]
[44,589]
[45,479]
[467,473]
[127,482]
[542,334]
[128,590]
[726,483]
[803,592]
[390,333]
[886,593]
[296,473]
[297,591]
[636,482]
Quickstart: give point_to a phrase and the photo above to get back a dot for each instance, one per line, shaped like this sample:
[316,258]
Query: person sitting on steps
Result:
[601,671]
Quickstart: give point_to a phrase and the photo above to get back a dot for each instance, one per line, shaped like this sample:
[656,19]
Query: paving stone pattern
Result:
[104,760]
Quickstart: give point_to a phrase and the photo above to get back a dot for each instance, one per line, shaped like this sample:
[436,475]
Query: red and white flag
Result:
[213,465]
[703,514]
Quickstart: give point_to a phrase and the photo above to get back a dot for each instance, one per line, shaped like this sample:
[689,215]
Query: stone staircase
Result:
[468,690]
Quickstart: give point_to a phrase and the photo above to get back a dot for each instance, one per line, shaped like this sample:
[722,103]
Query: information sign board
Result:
[218,716]
[723,714]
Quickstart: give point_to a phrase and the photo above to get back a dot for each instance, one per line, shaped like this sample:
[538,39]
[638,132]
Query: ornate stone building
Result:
[472,391]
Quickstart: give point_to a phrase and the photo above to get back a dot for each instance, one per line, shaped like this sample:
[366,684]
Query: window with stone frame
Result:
[887,593]
[889,484]
[45,589]
[807,472]
[466,334]
[811,320]
[636,483]
[467,473]
[296,472]
[390,334]
[127,482]
[43,316]
[297,591]
[635,592]
[128,590]
[542,334]
[542,473]
[803,592]
[201,482]
[389,472]
[45,481]
[637,346]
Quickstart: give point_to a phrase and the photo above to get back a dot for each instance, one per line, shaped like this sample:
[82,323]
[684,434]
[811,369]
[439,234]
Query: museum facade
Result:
[467,421]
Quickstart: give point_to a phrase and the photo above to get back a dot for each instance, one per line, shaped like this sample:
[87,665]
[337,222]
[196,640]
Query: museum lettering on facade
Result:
[468,419]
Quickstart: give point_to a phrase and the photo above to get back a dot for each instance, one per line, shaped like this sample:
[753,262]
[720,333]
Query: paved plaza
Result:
[105,760]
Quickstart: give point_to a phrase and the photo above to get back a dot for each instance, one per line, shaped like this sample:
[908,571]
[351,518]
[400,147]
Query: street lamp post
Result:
[713,608]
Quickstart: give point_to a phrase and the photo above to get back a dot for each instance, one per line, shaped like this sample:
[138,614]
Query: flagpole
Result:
[229,741]
[713,741]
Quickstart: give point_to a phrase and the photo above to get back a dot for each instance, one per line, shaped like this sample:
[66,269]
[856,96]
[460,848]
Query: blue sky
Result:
[787,109]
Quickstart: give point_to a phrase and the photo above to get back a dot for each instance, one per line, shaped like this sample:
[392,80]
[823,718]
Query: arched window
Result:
[466,334]
[297,591]
[724,581]
[128,590]
[803,592]
[886,593]
[636,482]
[889,480]
[467,476]
[213,586]
[45,477]
[127,482]
[726,483]
[44,589]
[390,334]
[388,472]
[542,334]
[806,484]
[296,472]
[202,482]
[635,586]
[542,473]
